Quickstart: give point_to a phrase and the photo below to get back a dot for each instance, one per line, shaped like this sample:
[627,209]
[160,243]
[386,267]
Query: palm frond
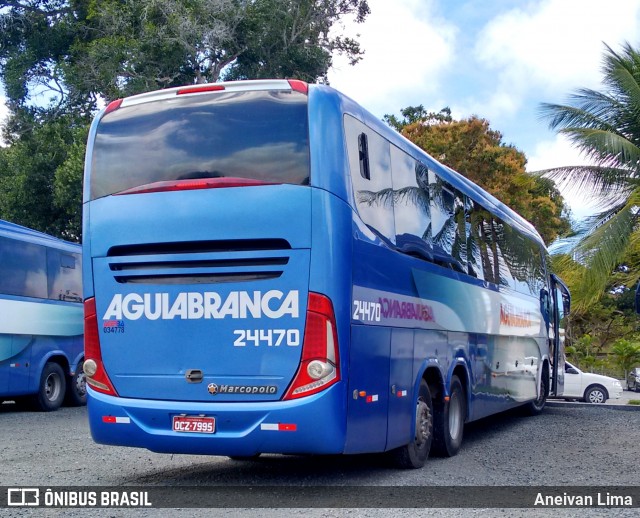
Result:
[590,109]
[414,196]
[383,197]
[594,180]
[602,248]
[605,147]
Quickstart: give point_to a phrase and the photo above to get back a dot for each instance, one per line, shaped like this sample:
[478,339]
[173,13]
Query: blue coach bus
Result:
[41,346]
[269,268]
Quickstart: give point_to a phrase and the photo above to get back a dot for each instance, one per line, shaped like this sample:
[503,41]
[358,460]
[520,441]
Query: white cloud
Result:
[553,47]
[557,153]
[406,49]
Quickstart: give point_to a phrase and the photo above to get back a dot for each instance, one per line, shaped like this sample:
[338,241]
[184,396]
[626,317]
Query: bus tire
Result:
[449,422]
[76,394]
[415,454]
[51,389]
[536,407]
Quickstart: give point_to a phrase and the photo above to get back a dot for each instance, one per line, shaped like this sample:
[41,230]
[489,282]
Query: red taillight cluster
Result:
[112,106]
[299,86]
[320,363]
[94,371]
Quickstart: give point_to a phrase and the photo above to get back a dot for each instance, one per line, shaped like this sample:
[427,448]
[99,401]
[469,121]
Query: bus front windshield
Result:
[258,135]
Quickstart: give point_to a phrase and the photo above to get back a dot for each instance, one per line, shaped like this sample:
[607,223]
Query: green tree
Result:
[605,126]
[61,59]
[294,38]
[80,51]
[626,354]
[472,148]
[41,178]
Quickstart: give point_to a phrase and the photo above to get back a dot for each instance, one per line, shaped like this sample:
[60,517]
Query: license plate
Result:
[194,424]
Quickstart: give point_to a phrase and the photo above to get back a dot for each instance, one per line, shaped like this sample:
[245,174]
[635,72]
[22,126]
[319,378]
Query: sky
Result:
[497,59]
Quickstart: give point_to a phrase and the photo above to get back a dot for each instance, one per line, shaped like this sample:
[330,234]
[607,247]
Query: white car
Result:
[592,388]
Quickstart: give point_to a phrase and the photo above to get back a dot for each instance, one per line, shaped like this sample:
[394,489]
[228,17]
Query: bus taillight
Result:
[299,86]
[94,371]
[320,364]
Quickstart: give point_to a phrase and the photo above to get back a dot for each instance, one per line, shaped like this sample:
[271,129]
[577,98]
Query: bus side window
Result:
[24,270]
[442,214]
[412,209]
[505,251]
[64,272]
[369,155]
[459,250]
[475,249]
[448,222]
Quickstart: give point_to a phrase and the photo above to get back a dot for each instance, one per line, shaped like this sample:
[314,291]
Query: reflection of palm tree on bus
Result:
[496,248]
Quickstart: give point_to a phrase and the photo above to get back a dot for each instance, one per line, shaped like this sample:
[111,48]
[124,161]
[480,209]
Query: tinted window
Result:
[23,269]
[255,135]
[373,195]
[448,221]
[412,205]
[481,255]
[442,215]
[65,276]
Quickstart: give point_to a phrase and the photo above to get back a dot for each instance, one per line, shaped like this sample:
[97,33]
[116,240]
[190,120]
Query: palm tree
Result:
[605,126]
[626,354]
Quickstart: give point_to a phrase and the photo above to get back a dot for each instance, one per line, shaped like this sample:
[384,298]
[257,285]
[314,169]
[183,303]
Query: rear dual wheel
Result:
[77,387]
[51,389]
[449,422]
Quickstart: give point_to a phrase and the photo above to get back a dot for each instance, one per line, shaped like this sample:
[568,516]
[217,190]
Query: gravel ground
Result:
[568,445]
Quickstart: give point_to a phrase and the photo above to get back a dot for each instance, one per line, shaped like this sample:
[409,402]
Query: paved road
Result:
[568,445]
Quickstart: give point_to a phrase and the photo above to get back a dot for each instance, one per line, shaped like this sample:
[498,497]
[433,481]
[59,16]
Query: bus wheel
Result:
[76,394]
[415,454]
[449,422]
[51,390]
[536,407]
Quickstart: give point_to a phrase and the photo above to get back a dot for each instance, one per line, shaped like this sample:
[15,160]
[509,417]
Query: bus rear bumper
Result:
[313,425]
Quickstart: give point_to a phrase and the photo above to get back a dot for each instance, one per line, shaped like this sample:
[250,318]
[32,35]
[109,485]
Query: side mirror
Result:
[566,303]
[571,370]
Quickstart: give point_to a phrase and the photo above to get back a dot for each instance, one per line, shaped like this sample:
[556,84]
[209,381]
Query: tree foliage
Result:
[472,148]
[605,126]
[41,178]
[626,354]
[62,59]
[81,50]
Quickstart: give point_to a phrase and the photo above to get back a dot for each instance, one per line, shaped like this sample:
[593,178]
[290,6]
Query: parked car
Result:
[592,388]
[633,379]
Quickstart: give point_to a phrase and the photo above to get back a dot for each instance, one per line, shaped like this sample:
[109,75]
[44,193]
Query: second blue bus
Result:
[41,319]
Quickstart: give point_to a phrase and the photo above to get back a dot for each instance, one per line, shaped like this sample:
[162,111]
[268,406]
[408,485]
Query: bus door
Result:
[561,301]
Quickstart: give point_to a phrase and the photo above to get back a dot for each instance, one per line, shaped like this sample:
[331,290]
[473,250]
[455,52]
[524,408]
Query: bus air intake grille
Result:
[191,247]
[202,262]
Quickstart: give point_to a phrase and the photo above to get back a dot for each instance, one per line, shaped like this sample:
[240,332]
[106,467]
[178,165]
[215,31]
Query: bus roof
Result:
[15,231]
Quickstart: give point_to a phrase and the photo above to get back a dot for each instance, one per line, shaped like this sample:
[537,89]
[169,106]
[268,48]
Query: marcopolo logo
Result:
[214,389]
[194,305]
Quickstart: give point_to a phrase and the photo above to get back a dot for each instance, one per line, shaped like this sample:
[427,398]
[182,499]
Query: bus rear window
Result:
[258,135]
